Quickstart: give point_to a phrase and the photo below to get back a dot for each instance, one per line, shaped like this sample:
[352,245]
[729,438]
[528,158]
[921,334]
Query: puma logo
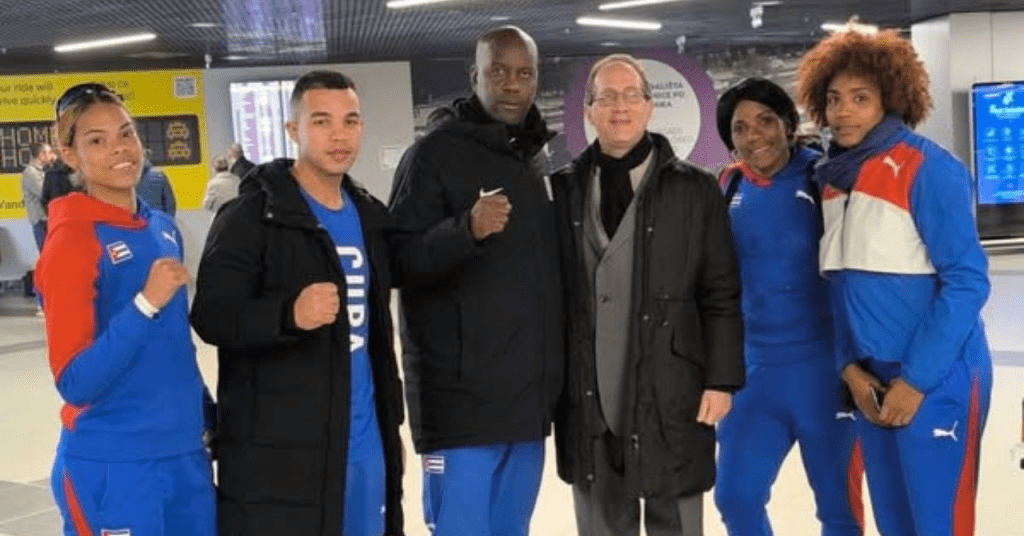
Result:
[845,415]
[800,194]
[892,163]
[938,433]
[170,236]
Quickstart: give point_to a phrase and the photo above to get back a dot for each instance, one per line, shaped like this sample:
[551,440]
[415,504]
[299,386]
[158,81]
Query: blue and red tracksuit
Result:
[791,394]
[909,279]
[130,456]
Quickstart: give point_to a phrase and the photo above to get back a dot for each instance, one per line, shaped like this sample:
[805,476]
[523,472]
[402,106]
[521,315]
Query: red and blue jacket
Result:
[909,276]
[131,386]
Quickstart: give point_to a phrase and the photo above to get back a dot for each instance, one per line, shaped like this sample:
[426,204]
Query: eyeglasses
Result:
[630,96]
[75,95]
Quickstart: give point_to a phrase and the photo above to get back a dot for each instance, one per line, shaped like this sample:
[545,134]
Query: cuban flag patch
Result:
[116,532]
[433,464]
[118,252]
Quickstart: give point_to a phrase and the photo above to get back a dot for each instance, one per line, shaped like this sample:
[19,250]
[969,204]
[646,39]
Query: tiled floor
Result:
[29,406]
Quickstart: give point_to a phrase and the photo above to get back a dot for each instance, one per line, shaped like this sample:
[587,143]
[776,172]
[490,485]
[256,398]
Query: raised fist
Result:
[317,305]
[165,276]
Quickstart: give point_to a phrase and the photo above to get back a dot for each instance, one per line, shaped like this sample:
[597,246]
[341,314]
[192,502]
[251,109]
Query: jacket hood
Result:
[284,201]
[79,207]
[471,121]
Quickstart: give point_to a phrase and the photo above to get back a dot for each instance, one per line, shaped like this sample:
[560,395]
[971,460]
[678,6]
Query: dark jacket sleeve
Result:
[428,243]
[231,308]
[718,296]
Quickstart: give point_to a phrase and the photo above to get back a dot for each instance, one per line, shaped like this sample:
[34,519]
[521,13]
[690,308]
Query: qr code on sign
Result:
[184,87]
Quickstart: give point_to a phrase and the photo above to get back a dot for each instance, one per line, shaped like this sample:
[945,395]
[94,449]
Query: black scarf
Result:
[616,187]
[842,166]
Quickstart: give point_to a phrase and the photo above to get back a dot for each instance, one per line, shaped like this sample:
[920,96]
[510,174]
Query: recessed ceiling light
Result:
[109,42]
[235,57]
[205,25]
[611,44]
[157,55]
[836,27]
[500,18]
[619,23]
[396,4]
[631,3]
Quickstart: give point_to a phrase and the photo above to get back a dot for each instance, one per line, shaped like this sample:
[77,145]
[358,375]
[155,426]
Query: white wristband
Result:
[144,307]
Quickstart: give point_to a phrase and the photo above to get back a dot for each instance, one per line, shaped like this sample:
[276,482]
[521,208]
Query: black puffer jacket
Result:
[482,324]
[686,333]
[283,393]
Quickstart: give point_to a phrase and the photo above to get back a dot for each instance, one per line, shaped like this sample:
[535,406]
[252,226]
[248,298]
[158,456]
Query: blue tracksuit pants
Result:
[781,405]
[164,497]
[364,485]
[923,477]
[485,490]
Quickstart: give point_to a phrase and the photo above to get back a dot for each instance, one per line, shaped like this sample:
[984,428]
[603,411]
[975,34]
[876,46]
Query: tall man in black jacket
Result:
[481,306]
[654,319]
[293,288]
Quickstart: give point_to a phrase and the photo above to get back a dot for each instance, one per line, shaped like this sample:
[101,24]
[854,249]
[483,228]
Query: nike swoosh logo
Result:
[495,191]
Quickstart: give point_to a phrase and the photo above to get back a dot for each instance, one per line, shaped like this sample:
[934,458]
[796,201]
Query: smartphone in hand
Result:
[877,397]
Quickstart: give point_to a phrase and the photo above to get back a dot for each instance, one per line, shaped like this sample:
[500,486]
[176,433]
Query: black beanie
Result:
[759,90]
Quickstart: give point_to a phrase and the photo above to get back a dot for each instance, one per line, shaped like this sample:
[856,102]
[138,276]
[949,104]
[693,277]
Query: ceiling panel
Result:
[266,32]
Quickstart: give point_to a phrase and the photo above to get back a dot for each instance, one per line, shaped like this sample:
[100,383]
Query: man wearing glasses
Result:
[481,306]
[655,335]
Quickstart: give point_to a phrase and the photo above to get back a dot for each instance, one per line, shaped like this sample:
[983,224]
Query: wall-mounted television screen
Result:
[997,122]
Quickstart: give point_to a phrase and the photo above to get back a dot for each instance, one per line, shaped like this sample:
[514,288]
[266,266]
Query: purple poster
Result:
[684,98]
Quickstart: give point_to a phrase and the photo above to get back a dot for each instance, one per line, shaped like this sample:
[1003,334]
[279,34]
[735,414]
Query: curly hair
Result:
[884,58]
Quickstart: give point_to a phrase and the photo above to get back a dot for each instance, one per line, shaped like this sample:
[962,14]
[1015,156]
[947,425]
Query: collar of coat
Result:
[581,167]
[523,141]
[284,202]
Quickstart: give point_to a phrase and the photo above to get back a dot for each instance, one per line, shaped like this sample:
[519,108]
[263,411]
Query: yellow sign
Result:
[167,107]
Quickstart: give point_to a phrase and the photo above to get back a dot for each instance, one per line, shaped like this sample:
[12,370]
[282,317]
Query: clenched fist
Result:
[165,276]
[489,216]
[317,305]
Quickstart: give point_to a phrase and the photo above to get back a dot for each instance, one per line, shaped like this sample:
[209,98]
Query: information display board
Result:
[997,112]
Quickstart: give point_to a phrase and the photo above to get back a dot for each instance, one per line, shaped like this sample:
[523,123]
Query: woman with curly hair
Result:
[908,281]
[790,394]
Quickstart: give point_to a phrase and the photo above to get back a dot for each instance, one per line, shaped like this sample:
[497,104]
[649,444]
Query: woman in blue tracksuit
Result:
[908,281]
[130,458]
[792,391]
